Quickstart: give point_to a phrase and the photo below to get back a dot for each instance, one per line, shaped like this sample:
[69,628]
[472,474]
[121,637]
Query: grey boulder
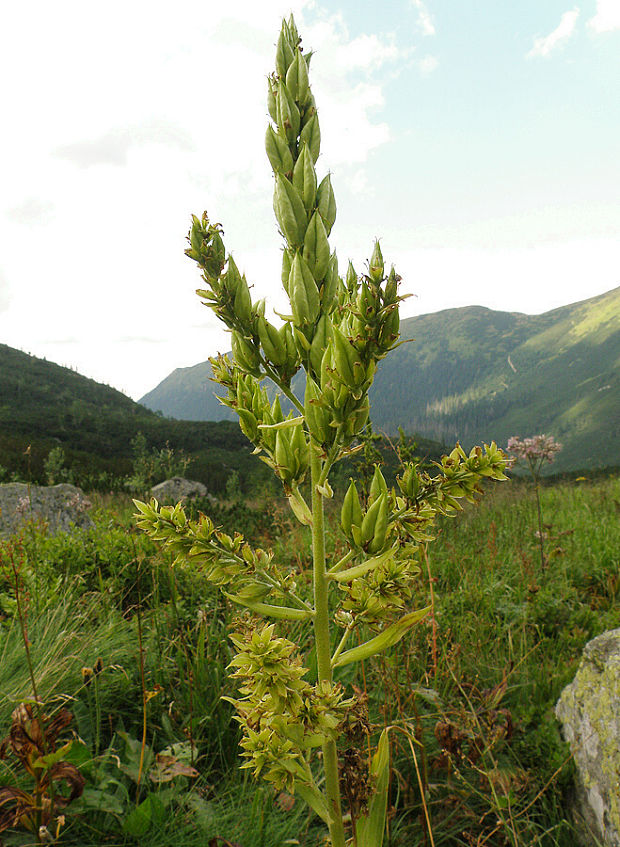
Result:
[177,490]
[60,506]
[589,711]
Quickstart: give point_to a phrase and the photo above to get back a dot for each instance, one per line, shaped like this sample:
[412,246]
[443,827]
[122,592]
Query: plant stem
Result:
[323,651]
[540,526]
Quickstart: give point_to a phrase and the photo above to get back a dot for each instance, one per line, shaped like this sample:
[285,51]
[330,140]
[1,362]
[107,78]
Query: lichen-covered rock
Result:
[589,711]
[59,506]
[178,489]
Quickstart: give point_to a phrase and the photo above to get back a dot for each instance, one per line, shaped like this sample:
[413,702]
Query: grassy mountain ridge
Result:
[473,374]
[45,405]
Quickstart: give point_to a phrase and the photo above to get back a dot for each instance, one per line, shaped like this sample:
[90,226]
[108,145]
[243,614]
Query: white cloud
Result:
[545,45]
[425,22]
[5,294]
[138,115]
[607,17]
[428,64]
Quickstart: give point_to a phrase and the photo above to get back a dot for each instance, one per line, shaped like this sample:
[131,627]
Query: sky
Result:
[479,140]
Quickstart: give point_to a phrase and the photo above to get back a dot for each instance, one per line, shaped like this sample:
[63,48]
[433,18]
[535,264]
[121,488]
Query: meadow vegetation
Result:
[477,756]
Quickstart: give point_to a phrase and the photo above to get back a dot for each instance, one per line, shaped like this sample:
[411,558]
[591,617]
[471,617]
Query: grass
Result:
[477,756]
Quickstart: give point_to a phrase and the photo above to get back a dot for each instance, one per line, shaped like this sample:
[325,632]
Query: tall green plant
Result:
[337,332]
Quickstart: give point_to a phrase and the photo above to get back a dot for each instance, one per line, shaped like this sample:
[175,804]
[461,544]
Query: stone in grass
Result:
[60,507]
[178,490]
[589,711]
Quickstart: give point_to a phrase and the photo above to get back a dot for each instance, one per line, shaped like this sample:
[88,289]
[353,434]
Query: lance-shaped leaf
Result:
[350,574]
[285,424]
[370,828]
[314,798]
[269,611]
[391,635]
[289,210]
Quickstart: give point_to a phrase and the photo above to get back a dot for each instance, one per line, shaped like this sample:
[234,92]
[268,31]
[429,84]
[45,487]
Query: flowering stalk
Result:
[535,451]
[337,331]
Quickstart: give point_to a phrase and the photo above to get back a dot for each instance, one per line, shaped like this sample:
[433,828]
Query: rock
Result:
[60,506]
[589,711]
[178,489]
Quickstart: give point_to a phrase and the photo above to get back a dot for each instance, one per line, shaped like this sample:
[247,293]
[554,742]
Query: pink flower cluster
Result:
[538,448]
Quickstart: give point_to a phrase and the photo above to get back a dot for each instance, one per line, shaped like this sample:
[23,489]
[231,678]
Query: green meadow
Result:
[100,624]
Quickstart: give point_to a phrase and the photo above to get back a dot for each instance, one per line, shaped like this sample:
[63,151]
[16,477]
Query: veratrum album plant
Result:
[337,331]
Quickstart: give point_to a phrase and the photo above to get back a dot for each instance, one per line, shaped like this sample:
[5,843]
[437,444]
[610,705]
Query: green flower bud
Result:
[245,354]
[248,424]
[351,279]
[348,365]
[322,335]
[311,136]
[303,293]
[317,419]
[283,455]
[375,270]
[288,113]
[284,53]
[243,302]
[331,285]
[297,78]
[292,357]
[290,212]
[391,287]
[378,485]
[351,513]
[326,203]
[300,453]
[304,178]
[374,513]
[272,343]
[272,108]
[278,152]
[316,247]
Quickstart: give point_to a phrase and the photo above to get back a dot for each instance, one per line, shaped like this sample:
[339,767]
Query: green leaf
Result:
[314,798]
[279,612]
[370,828]
[350,574]
[285,424]
[390,636]
[151,812]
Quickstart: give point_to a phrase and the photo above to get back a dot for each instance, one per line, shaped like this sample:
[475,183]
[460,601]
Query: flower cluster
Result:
[535,450]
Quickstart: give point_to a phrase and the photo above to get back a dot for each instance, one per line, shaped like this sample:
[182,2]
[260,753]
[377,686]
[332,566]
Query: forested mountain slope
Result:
[475,374]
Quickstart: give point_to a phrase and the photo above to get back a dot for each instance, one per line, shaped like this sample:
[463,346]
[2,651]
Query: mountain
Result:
[473,374]
[45,405]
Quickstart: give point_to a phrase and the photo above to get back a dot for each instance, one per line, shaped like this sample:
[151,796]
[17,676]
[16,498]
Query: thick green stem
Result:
[323,650]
